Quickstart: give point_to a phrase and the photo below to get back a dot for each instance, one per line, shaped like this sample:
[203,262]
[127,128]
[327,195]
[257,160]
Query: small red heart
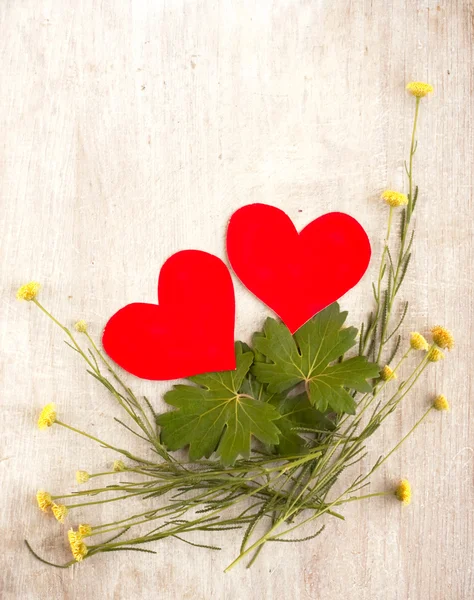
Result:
[191,331]
[296,274]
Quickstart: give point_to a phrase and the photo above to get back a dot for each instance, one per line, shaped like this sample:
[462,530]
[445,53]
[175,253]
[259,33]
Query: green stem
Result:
[91,437]
[347,452]
[371,330]
[277,524]
[66,331]
[410,170]
[395,448]
[47,562]
[364,497]
[376,391]
[146,427]
[390,214]
[401,254]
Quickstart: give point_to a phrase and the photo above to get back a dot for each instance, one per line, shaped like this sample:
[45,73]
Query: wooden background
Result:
[132,129]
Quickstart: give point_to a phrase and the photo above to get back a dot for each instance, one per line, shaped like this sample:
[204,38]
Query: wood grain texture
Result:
[132,129]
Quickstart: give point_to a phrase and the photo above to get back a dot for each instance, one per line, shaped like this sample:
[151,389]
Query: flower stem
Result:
[91,437]
[410,170]
[66,331]
[395,448]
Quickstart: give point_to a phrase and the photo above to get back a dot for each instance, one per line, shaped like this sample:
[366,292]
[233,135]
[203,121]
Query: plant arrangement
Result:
[262,444]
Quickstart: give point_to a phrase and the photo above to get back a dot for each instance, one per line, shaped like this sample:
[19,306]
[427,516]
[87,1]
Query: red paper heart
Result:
[296,274]
[191,331]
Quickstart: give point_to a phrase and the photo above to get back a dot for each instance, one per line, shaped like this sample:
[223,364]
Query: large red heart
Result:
[191,331]
[296,274]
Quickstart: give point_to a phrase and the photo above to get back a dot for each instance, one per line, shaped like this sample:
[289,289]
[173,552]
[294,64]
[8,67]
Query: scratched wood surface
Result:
[132,129]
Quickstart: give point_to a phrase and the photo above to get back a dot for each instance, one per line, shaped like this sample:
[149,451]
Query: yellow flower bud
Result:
[434,355]
[403,492]
[394,199]
[78,548]
[387,374]
[84,530]
[44,500]
[47,416]
[418,342]
[419,89]
[442,337]
[81,326]
[82,476]
[441,403]
[118,466]
[59,511]
[29,291]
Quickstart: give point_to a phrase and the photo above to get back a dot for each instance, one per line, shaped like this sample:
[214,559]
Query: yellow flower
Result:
[84,530]
[118,466]
[394,199]
[442,337]
[441,403]
[44,500]
[82,476]
[419,89]
[29,291]
[81,326]
[387,374]
[47,416]
[434,355]
[403,492]
[59,511]
[78,548]
[418,342]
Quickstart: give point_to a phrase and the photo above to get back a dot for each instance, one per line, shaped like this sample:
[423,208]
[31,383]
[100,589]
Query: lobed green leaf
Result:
[307,356]
[218,414]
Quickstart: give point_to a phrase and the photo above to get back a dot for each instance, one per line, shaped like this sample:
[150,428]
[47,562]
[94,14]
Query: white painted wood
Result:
[132,129]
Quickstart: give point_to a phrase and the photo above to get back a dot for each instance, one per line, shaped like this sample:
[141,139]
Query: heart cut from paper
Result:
[190,332]
[296,274]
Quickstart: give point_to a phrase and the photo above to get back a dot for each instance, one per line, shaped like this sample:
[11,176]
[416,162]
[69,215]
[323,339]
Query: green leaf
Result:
[308,356]
[297,411]
[218,414]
